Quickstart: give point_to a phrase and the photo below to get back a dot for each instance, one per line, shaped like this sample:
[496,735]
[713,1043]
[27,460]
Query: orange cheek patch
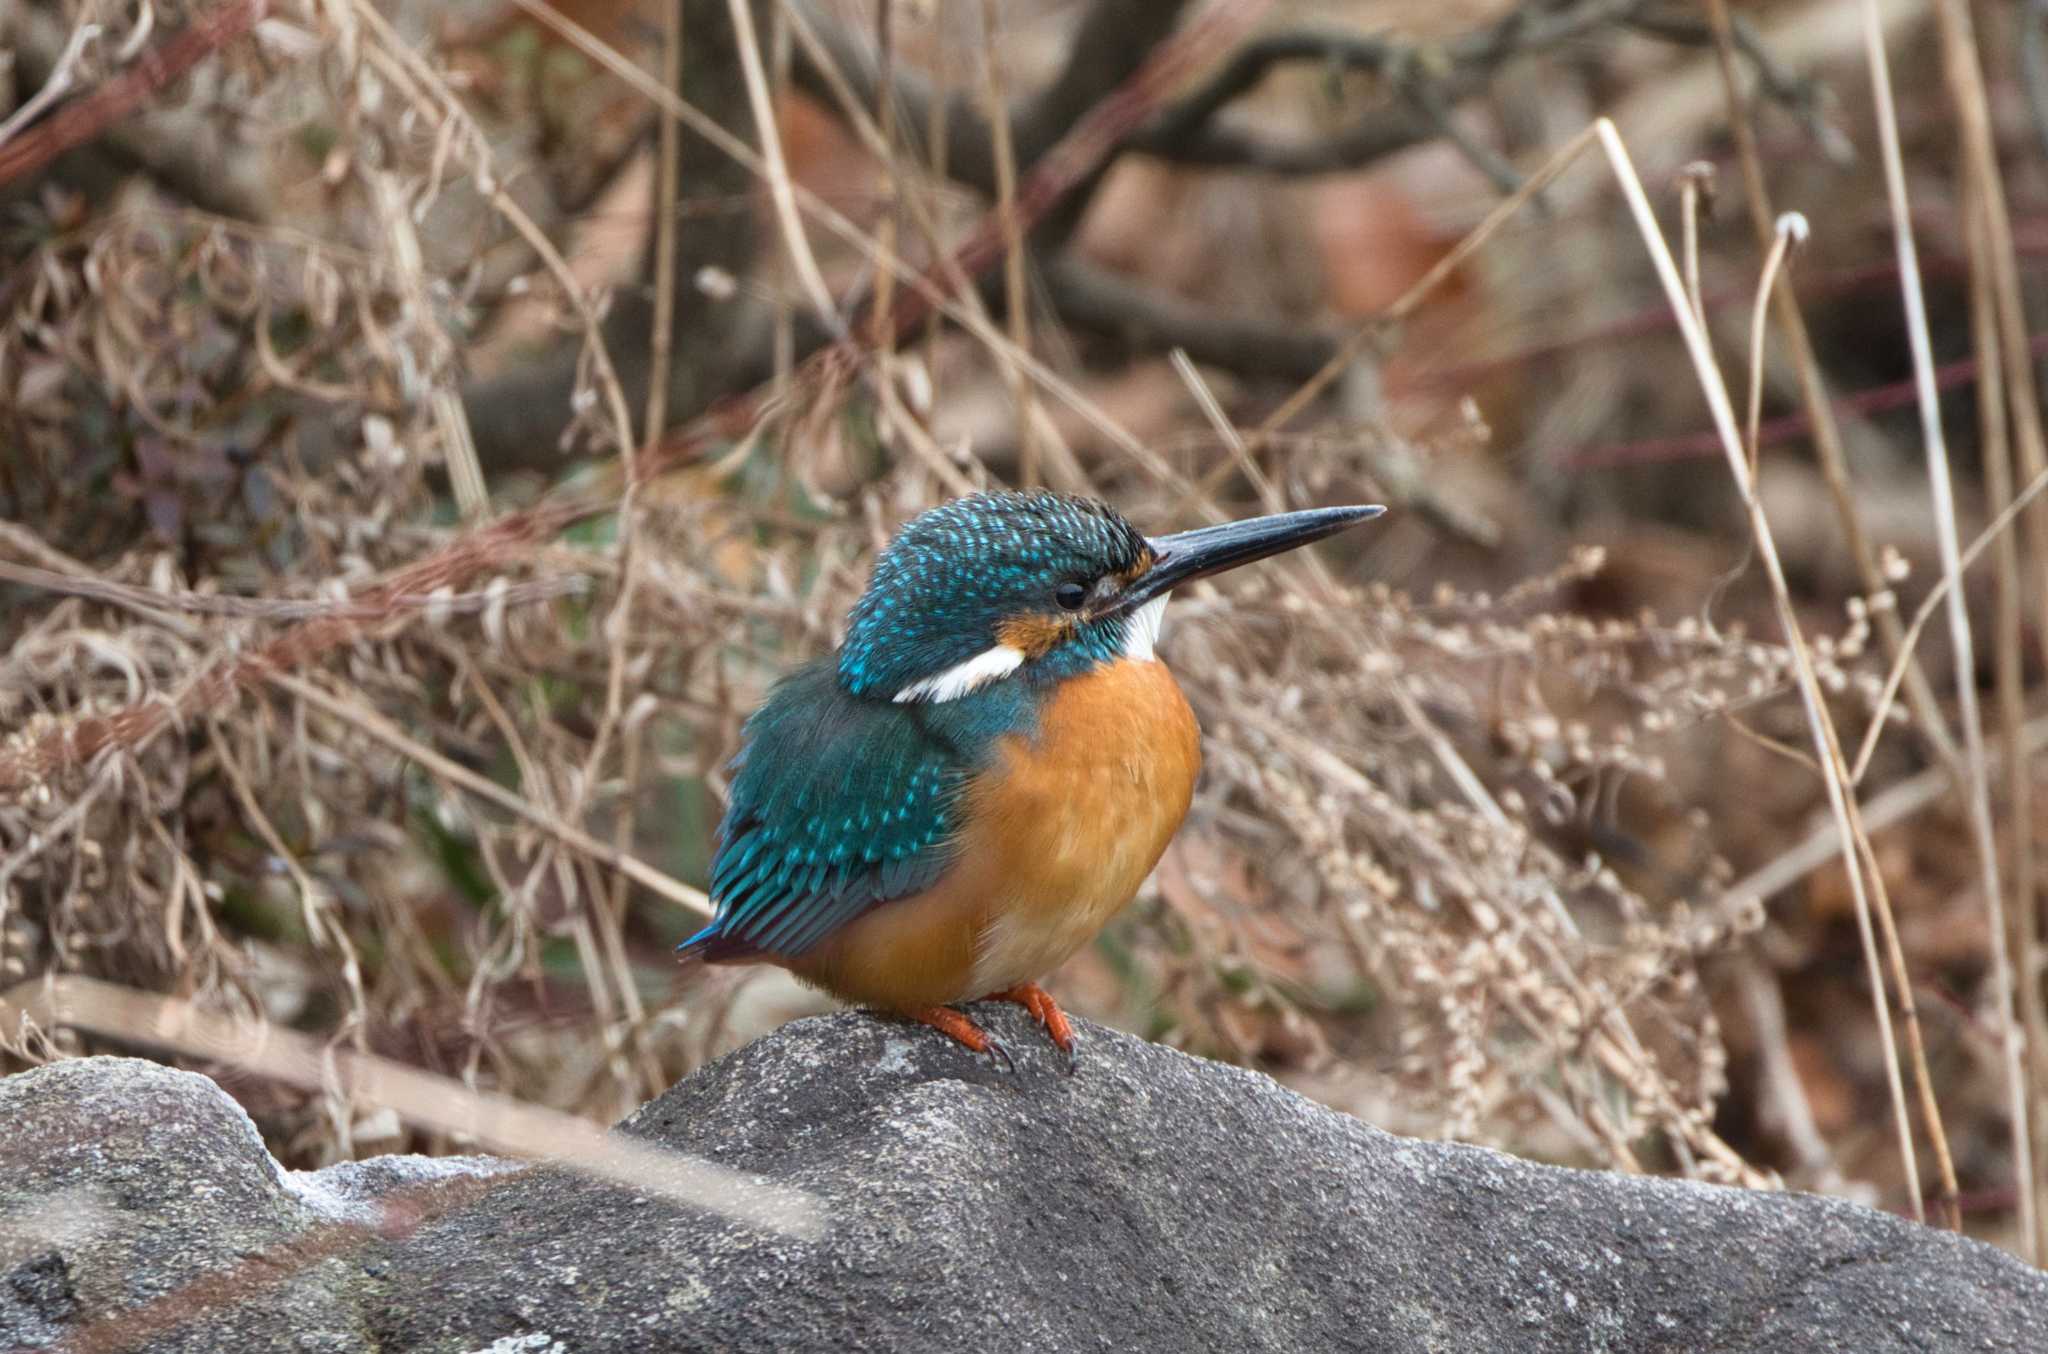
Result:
[1136,571]
[1034,636]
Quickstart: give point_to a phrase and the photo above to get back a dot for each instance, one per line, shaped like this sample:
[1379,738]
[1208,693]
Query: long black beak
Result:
[1188,555]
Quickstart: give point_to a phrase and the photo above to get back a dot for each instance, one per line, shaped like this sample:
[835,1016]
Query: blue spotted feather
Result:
[841,803]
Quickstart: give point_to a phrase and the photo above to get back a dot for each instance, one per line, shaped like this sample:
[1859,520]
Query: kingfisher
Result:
[985,771]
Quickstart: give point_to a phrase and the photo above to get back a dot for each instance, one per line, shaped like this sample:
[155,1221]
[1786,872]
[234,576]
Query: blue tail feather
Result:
[709,944]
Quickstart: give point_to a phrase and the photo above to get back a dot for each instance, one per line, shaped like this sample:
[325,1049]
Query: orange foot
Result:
[1046,1012]
[961,1030]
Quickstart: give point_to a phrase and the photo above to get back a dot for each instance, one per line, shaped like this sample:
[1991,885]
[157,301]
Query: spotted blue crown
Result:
[954,574]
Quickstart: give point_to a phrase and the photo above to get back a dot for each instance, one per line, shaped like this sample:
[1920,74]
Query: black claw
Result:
[999,1056]
[1073,1052]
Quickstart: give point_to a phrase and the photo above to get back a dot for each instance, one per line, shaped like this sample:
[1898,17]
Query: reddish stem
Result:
[76,123]
[1770,432]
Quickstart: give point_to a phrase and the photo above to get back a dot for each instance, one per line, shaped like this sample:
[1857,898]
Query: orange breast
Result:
[1056,840]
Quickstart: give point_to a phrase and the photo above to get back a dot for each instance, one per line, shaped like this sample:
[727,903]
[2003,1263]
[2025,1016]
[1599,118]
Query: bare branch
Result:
[1803,96]
[517,416]
[1111,42]
[148,601]
[1190,133]
[79,122]
[26,762]
[1103,302]
[95,145]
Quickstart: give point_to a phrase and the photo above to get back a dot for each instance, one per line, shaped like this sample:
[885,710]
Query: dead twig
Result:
[481,551]
[32,150]
[385,732]
[1820,724]
[154,604]
[62,77]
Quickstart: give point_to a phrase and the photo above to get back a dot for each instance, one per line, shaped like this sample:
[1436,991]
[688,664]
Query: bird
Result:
[985,771]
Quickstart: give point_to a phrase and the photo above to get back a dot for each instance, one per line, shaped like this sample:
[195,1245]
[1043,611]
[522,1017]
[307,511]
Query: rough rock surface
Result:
[1154,1202]
[125,1187]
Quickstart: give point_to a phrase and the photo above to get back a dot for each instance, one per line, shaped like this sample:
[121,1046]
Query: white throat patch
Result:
[1141,633]
[977,672]
[1141,630]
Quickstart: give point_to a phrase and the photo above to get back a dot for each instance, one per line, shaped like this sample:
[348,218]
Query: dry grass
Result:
[425,769]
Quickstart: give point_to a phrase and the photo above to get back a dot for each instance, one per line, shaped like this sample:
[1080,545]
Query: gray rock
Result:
[132,1191]
[1154,1202]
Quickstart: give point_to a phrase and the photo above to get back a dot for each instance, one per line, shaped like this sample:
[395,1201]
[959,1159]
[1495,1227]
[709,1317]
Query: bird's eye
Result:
[1070,596]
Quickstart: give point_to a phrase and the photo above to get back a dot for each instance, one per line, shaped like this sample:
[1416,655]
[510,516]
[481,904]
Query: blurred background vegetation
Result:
[426,429]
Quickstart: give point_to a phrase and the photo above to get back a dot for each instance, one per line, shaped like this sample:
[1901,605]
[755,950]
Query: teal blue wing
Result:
[840,803]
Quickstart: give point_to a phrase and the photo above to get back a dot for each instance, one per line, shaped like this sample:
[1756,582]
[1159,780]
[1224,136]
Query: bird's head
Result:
[1038,585]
